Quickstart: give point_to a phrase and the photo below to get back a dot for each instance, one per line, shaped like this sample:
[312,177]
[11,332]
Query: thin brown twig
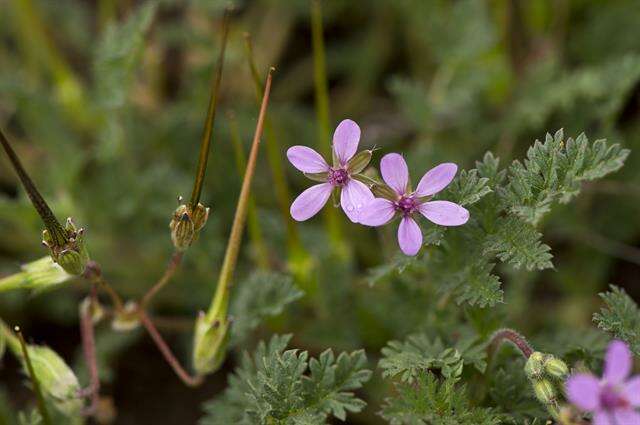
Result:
[191,381]
[93,273]
[170,271]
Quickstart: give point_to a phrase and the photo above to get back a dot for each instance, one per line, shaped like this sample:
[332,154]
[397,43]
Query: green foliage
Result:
[621,317]
[419,353]
[432,401]
[38,276]
[518,243]
[288,387]
[554,170]
[260,296]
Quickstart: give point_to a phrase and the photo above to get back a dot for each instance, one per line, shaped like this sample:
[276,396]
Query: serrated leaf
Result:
[621,317]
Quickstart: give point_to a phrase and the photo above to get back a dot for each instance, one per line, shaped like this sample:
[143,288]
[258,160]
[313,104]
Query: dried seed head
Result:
[72,255]
[186,224]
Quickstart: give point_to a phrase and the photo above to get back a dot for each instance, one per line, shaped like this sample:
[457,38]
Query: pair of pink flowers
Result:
[357,199]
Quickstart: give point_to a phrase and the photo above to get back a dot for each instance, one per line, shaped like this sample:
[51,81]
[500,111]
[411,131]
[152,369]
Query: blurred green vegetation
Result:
[105,101]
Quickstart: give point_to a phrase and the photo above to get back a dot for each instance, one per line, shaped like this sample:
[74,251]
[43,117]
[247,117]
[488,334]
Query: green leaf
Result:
[621,317]
[431,401]
[518,243]
[467,188]
[553,171]
[278,386]
[262,295]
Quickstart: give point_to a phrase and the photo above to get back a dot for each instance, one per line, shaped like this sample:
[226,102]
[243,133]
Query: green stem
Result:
[56,231]
[42,407]
[220,302]
[255,230]
[211,116]
[322,108]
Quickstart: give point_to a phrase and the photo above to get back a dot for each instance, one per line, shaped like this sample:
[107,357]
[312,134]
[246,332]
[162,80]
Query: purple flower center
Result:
[406,205]
[611,399]
[338,177]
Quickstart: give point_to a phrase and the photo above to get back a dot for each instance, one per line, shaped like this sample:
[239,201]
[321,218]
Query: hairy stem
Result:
[211,116]
[221,299]
[170,271]
[189,380]
[42,407]
[508,335]
[56,231]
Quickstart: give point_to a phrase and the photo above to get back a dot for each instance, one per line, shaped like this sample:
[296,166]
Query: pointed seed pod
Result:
[186,224]
[210,344]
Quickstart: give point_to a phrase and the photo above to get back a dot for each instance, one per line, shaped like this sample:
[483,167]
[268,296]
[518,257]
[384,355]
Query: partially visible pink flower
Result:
[614,398]
[353,193]
[407,203]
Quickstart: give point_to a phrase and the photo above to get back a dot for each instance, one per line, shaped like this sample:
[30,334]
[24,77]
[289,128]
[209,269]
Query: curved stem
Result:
[170,271]
[508,335]
[191,381]
[93,273]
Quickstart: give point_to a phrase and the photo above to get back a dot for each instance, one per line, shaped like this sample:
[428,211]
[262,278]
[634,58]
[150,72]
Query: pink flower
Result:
[353,193]
[613,400]
[402,201]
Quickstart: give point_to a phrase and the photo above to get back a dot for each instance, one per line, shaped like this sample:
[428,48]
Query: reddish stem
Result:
[191,381]
[511,336]
[89,350]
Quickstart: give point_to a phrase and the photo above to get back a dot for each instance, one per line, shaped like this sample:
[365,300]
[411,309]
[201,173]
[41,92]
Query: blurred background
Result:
[105,101]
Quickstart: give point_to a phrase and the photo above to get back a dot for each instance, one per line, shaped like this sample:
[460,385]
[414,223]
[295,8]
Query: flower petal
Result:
[309,202]
[583,390]
[436,179]
[345,140]
[602,417]
[377,212]
[617,363]
[626,417]
[306,159]
[355,195]
[631,391]
[409,236]
[444,213]
[395,172]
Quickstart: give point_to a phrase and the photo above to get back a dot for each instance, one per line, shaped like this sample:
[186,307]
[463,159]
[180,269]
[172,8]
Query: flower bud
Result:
[544,391]
[359,162]
[57,380]
[555,368]
[534,367]
[186,223]
[384,191]
[127,319]
[210,344]
[39,275]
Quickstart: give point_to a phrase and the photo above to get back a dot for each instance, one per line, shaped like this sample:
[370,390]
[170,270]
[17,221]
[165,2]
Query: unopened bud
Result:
[544,391]
[127,319]
[210,344]
[359,162]
[555,368]
[186,223]
[534,368]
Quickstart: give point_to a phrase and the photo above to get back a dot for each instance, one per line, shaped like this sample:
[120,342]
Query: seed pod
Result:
[544,391]
[210,344]
[534,368]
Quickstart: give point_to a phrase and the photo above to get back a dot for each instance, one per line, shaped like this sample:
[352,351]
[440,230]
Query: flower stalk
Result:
[212,328]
